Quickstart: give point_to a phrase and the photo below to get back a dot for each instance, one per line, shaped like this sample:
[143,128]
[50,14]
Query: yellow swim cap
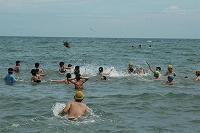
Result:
[79,95]
[170,66]
[198,71]
[131,64]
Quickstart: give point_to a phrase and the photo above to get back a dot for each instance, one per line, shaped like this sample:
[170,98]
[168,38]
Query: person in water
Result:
[40,71]
[157,75]
[78,83]
[17,66]
[75,109]
[66,80]
[35,76]
[170,71]
[157,69]
[197,75]
[170,79]
[102,73]
[130,68]
[139,70]
[63,68]
[77,70]
[9,78]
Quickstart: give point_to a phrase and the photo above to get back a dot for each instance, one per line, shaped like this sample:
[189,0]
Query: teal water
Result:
[123,103]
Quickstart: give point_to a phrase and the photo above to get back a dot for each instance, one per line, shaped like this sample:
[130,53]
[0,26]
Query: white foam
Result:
[57,108]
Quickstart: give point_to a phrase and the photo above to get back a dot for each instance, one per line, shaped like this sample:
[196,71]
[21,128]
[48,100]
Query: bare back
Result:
[75,109]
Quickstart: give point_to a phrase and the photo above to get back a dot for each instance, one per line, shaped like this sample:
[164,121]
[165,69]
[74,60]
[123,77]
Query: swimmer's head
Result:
[34,72]
[138,66]
[37,64]
[61,64]
[103,78]
[171,77]
[131,64]
[10,70]
[78,77]
[158,68]
[69,65]
[79,96]
[100,69]
[17,63]
[198,72]
[68,75]
[156,74]
[170,67]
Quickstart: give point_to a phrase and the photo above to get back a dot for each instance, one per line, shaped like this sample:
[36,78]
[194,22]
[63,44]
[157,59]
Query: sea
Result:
[128,103]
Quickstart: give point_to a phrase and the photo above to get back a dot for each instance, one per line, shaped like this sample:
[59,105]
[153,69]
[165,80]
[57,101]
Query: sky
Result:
[101,18]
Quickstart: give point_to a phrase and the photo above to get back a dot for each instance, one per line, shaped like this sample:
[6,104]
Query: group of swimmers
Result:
[75,109]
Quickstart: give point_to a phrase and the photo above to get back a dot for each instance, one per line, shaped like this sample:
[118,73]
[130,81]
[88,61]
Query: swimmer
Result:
[40,71]
[102,73]
[63,68]
[140,46]
[197,75]
[75,109]
[157,75]
[66,80]
[170,79]
[130,68]
[9,78]
[36,77]
[17,66]
[77,70]
[157,69]
[139,70]
[170,71]
[78,83]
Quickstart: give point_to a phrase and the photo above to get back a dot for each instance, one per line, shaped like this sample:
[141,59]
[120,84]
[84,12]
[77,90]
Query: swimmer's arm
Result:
[72,80]
[107,72]
[66,109]
[85,79]
[150,67]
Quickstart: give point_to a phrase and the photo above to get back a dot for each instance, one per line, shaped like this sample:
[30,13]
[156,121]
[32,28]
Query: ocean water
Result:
[123,103]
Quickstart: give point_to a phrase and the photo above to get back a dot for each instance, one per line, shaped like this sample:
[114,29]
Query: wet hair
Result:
[130,69]
[10,70]
[17,62]
[158,68]
[34,72]
[100,69]
[68,75]
[69,65]
[61,63]
[37,64]
[77,70]
[78,77]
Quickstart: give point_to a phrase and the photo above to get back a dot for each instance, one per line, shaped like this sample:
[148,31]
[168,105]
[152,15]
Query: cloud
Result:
[174,9]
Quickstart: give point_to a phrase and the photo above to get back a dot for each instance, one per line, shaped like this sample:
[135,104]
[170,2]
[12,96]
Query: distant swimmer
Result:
[130,68]
[170,79]
[66,44]
[40,71]
[157,69]
[63,68]
[17,66]
[78,83]
[139,70]
[170,71]
[66,80]
[140,46]
[198,75]
[9,78]
[102,73]
[157,75]
[75,109]
[35,76]
[77,70]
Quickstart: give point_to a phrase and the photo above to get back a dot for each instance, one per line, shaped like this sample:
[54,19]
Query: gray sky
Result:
[101,18]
